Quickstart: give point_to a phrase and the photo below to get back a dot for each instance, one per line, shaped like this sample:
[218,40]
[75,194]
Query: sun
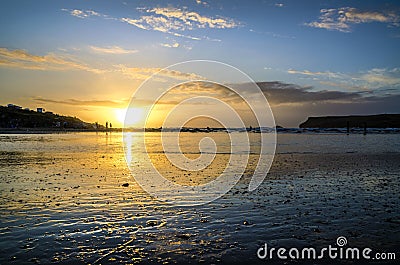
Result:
[120,115]
[129,117]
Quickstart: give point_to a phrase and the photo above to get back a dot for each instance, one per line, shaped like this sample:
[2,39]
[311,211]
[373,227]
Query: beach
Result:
[70,198]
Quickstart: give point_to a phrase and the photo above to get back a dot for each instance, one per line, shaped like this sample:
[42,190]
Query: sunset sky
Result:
[86,58]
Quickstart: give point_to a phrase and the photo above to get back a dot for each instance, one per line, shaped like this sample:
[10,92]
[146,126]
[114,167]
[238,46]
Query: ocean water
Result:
[64,199]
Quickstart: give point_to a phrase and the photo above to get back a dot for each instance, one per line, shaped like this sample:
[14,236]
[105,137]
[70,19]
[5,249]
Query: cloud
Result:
[170,45]
[189,90]
[373,79]
[149,22]
[157,24]
[140,73]
[53,62]
[174,20]
[82,13]
[272,34]
[342,18]
[292,104]
[188,19]
[309,73]
[168,20]
[112,50]
[382,77]
[105,102]
[24,60]
[200,88]
[279,93]
[199,2]
[77,102]
[344,85]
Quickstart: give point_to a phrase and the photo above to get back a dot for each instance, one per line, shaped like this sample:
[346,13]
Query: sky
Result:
[310,58]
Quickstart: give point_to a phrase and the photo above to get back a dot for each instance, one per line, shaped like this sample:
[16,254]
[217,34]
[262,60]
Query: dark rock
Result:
[245,222]
[203,220]
[184,236]
[353,121]
[151,222]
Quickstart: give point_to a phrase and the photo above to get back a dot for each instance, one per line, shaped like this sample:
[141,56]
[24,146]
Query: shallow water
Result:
[62,200]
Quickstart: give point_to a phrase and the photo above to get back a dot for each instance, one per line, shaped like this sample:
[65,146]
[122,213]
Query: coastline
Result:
[201,130]
[52,130]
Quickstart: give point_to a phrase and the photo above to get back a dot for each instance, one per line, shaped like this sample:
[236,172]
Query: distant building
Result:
[14,106]
[27,109]
[40,110]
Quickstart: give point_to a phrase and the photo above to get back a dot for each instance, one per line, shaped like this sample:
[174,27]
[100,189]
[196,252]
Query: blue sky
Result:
[87,57]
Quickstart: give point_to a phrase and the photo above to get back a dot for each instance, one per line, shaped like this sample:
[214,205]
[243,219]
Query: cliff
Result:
[20,118]
[370,121]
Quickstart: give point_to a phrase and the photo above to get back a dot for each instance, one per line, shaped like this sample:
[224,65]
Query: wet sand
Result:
[63,200]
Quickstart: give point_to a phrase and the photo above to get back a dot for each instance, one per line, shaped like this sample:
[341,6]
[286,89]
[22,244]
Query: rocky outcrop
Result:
[368,121]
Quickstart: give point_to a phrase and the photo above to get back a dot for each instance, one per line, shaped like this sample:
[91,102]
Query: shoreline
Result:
[201,130]
[52,130]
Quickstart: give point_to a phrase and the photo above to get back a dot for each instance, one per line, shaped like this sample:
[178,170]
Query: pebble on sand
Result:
[184,236]
[245,222]
[151,222]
